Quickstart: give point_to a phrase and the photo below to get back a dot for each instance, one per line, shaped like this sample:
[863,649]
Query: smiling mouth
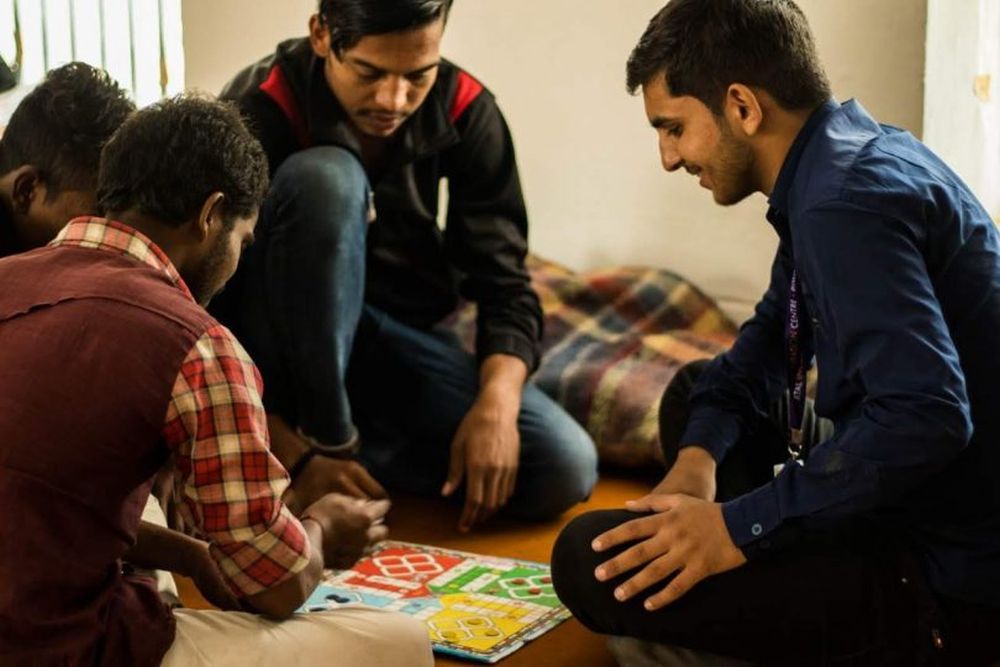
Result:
[699,173]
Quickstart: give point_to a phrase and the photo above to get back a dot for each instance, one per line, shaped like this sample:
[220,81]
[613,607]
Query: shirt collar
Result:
[779,196]
[118,238]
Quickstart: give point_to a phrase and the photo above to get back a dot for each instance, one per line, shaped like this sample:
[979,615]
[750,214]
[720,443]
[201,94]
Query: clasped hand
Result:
[350,526]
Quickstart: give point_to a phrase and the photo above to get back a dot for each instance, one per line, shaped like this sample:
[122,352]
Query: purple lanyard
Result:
[799,345]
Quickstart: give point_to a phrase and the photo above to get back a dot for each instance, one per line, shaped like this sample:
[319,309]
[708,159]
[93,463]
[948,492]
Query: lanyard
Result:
[798,341]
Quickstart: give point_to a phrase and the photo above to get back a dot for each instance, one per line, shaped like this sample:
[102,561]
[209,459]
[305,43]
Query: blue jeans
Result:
[334,366]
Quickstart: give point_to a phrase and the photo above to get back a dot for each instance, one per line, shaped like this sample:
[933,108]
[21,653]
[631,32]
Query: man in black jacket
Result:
[341,299]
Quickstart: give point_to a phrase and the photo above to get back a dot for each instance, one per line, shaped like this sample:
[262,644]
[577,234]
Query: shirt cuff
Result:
[712,429]
[515,346]
[752,516]
[267,559]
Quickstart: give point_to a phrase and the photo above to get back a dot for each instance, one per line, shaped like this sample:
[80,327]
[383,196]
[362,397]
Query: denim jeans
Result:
[334,365]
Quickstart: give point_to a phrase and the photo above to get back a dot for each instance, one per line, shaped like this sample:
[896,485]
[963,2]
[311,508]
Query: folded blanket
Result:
[613,340]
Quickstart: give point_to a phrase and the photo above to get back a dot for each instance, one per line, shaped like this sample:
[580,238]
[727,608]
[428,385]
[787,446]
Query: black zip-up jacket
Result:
[416,271]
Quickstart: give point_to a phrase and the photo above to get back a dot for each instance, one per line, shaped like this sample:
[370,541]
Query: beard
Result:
[734,180]
[208,278]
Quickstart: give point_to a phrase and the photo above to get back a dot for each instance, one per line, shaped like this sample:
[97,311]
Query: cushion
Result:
[613,340]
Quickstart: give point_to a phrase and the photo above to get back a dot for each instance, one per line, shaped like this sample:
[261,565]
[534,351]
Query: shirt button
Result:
[756,529]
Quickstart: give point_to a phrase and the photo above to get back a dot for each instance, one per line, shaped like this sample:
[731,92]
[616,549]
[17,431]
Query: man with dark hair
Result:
[878,541]
[109,371]
[342,298]
[49,153]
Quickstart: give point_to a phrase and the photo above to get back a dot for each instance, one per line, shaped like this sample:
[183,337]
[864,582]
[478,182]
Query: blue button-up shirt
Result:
[900,273]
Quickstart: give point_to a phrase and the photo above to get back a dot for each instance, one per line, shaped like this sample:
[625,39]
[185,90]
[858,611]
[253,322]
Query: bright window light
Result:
[139,42]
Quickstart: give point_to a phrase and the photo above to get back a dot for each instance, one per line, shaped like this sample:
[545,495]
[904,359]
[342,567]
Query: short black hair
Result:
[350,20]
[60,127]
[168,158]
[704,46]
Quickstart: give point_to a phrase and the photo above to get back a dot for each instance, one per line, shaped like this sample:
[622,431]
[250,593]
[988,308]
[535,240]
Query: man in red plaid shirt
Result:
[109,371]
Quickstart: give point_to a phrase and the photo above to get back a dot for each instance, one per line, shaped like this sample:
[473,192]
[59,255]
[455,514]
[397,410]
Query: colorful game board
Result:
[478,607]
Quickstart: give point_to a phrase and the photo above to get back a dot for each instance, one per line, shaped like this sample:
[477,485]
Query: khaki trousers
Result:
[352,636]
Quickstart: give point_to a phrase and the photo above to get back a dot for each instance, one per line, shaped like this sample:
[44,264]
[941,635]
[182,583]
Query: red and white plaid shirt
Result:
[228,483]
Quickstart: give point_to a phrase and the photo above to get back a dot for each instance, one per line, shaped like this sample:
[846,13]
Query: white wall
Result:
[223,36]
[963,44]
[595,190]
[589,160]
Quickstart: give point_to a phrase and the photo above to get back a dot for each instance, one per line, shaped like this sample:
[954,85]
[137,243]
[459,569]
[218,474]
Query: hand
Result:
[208,579]
[323,475]
[160,548]
[686,536]
[486,449]
[693,474]
[350,526]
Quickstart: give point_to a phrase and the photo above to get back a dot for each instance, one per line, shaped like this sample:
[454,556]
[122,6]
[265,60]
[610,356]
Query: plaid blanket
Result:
[613,341]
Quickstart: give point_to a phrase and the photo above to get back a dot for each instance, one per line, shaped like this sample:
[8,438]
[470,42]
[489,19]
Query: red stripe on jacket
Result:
[276,87]
[466,92]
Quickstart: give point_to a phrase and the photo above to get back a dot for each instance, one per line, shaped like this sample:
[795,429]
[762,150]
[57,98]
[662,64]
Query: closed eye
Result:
[671,126]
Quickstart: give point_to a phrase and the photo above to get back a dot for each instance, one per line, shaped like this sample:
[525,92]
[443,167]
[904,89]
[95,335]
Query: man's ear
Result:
[742,109]
[319,36]
[27,185]
[210,217]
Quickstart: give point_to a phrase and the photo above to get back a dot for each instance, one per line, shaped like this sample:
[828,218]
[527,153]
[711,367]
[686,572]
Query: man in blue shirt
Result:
[879,541]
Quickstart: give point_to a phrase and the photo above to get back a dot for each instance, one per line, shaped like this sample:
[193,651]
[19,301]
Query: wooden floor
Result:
[429,521]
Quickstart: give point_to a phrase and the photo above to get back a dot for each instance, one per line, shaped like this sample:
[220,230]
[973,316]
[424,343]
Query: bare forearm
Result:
[160,548]
[286,445]
[696,458]
[693,474]
[501,380]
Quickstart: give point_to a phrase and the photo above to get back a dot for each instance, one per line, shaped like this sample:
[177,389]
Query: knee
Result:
[574,561]
[324,178]
[576,473]
[566,475]
[406,642]
[675,407]
[572,553]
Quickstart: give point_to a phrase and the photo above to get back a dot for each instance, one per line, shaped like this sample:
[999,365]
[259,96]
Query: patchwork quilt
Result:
[613,340]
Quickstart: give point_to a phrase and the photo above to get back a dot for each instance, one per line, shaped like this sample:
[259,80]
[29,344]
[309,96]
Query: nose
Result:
[392,93]
[669,157]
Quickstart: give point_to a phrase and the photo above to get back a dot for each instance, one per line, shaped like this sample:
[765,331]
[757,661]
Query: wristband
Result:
[301,464]
[345,451]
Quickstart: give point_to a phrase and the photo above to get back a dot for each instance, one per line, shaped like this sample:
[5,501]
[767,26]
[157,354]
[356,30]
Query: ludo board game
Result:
[478,607]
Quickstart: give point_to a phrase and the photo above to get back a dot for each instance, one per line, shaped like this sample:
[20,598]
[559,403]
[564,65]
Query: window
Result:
[139,42]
